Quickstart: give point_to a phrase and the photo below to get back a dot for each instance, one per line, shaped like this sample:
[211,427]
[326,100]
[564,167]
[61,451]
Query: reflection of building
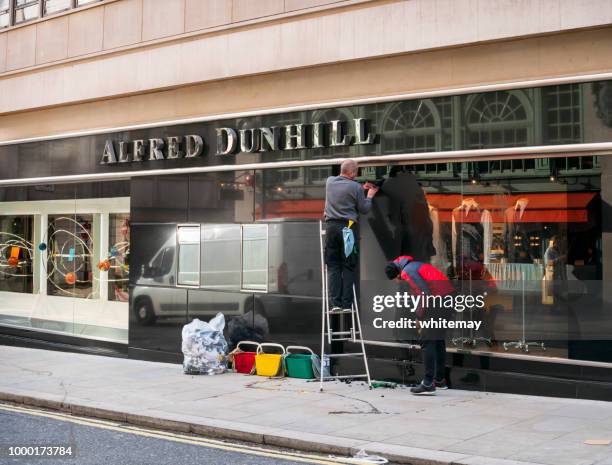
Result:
[475,113]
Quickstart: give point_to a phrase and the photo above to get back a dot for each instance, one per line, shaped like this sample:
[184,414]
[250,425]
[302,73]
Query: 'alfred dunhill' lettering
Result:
[138,150]
[317,135]
[295,136]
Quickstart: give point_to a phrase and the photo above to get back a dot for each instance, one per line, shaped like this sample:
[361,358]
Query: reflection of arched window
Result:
[412,126]
[498,119]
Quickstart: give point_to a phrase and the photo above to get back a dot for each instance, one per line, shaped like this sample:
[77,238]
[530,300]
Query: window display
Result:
[525,233]
[70,255]
[118,257]
[64,261]
[16,253]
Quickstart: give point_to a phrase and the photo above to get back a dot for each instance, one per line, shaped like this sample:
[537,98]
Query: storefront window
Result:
[64,260]
[70,256]
[16,253]
[119,257]
[525,233]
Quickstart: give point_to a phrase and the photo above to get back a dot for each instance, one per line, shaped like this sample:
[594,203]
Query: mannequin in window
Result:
[555,269]
[472,234]
[440,259]
[521,237]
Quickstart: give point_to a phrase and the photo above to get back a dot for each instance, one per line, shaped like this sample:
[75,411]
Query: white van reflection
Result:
[279,259]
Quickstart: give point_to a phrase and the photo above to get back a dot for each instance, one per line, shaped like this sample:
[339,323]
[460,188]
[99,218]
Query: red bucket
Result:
[243,360]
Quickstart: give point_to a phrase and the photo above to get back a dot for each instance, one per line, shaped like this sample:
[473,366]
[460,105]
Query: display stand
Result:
[523,344]
[472,339]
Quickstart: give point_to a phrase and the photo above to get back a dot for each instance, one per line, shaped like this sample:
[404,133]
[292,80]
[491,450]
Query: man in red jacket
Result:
[426,279]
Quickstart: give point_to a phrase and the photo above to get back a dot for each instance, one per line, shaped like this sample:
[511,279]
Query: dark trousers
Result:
[341,270]
[434,359]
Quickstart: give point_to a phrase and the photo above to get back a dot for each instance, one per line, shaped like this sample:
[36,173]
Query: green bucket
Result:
[299,365]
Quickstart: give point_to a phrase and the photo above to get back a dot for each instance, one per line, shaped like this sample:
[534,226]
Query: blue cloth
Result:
[349,241]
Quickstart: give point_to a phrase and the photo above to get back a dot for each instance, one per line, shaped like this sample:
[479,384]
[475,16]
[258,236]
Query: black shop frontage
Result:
[111,241]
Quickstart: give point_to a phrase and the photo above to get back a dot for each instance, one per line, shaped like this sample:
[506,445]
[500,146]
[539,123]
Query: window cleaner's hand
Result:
[368,185]
[372,191]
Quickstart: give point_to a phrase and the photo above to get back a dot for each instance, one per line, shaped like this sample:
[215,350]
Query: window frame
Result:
[230,288]
[267,266]
[180,243]
[9,13]
[241,285]
[14,8]
[42,13]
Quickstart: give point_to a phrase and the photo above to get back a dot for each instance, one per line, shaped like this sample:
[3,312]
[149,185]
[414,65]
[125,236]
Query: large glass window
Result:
[119,257]
[70,255]
[64,260]
[527,234]
[16,253]
[26,10]
[255,257]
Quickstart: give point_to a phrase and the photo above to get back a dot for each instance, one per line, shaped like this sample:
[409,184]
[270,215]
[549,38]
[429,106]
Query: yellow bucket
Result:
[269,364]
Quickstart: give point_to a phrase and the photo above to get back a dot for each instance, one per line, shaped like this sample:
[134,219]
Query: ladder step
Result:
[348,354]
[339,333]
[339,312]
[345,377]
[342,339]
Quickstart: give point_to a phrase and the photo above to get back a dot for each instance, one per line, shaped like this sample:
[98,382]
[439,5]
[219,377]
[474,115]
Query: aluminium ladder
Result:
[353,334]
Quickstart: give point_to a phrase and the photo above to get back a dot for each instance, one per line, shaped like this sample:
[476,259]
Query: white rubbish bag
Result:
[204,347]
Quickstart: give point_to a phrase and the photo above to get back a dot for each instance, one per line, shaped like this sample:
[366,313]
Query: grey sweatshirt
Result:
[345,199]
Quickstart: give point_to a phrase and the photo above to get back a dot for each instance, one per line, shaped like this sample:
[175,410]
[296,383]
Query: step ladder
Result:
[352,334]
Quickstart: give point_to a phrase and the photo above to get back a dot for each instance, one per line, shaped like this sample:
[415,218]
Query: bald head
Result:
[348,168]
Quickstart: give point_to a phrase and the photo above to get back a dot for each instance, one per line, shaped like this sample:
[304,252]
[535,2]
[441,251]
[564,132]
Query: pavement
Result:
[454,427]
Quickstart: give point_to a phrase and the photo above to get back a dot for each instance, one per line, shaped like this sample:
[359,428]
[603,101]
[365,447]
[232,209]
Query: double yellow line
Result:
[182,438]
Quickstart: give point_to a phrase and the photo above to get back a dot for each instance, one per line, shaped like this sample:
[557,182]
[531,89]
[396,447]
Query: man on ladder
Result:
[345,199]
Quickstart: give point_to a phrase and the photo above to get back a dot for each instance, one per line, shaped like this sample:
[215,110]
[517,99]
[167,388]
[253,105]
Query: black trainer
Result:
[422,390]
[441,385]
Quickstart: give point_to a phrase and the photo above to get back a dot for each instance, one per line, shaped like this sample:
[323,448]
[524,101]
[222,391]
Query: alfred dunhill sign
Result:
[230,141]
